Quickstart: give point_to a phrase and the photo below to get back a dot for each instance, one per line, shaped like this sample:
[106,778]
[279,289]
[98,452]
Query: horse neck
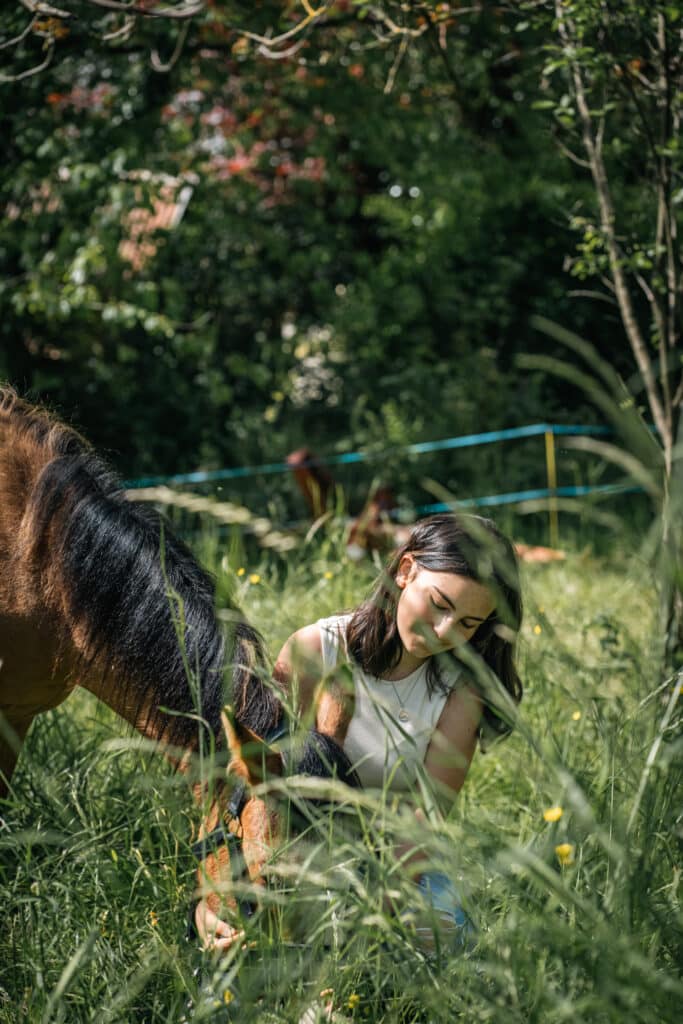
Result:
[33,617]
[27,446]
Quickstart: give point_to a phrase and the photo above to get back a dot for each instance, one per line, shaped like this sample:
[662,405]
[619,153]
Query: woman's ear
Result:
[405,571]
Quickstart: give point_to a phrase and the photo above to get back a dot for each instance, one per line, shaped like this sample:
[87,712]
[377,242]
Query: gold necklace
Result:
[403,714]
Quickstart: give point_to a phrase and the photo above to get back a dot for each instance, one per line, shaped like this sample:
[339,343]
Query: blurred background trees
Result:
[270,224]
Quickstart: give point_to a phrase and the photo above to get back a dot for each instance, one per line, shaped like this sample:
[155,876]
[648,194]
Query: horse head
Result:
[261,812]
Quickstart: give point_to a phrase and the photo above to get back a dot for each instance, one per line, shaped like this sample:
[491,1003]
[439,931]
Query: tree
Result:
[621,72]
[319,249]
[613,80]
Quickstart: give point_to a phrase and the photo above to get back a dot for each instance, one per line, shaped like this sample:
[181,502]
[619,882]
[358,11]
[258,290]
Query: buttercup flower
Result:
[553,813]
[565,853]
[328,575]
[241,571]
[254,578]
[576,716]
[153,919]
[537,630]
[354,1000]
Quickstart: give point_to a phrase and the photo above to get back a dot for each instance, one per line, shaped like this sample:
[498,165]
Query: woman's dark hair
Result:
[468,546]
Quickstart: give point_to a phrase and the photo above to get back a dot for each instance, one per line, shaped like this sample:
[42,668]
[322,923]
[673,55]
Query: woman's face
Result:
[437,611]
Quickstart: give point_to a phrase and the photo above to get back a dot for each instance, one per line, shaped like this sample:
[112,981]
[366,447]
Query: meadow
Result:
[566,840]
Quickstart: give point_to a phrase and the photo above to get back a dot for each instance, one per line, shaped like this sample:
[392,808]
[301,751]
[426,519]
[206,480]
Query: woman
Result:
[431,658]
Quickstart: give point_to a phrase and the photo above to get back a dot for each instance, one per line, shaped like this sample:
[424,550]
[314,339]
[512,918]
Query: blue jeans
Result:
[445,899]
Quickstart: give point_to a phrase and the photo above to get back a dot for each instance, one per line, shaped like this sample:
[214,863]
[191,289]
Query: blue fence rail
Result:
[552,492]
[464,441]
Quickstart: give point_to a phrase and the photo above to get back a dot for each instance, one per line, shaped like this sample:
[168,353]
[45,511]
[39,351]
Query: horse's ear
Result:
[250,757]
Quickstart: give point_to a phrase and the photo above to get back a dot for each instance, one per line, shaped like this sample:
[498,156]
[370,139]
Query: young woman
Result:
[431,659]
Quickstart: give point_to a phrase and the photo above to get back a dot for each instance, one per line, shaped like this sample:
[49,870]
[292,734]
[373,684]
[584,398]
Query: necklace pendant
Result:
[403,715]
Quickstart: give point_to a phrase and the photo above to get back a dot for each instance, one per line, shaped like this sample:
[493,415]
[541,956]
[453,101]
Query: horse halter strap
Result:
[220,836]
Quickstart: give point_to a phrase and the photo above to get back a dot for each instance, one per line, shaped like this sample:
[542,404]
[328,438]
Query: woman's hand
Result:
[214,933]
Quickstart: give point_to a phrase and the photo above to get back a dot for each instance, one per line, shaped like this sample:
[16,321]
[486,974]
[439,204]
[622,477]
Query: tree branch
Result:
[20,37]
[591,141]
[50,44]
[156,61]
[185,9]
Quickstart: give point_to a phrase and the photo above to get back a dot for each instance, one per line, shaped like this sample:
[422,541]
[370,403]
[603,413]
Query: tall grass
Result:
[96,873]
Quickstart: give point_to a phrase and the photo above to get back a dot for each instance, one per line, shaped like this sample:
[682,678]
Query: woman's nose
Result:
[444,629]
[448,631]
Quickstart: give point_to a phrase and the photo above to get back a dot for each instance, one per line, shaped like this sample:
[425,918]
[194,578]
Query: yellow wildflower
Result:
[353,1001]
[565,853]
[576,716]
[153,919]
[553,813]
[254,578]
[241,571]
[228,997]
[328,575]
[537,630]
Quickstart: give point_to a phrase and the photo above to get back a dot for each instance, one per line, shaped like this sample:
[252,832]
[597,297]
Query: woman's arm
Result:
[299,667]
[447,761]
[453,743]
[323,701]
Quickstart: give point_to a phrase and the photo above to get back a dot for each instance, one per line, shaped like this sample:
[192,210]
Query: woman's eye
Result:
[441,607]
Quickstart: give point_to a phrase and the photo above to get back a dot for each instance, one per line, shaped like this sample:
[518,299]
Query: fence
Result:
[549,431]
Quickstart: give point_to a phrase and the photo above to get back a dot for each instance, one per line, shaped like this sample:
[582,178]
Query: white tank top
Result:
[384,750]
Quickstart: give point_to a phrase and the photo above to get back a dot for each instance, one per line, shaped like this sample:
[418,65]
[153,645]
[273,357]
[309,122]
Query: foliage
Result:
[614,78]
[319,250]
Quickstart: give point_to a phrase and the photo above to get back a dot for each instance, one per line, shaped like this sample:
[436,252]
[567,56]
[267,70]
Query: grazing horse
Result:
[96,591]
[373,528]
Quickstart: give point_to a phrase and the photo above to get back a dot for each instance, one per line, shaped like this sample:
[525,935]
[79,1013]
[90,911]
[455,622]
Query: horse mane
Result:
[113,579]
[323,758]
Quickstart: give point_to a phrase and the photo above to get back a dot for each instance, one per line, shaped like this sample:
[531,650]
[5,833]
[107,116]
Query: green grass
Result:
[96,874]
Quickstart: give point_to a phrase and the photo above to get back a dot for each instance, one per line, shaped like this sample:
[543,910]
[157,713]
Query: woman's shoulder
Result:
[306,640]
[313,643]
[452,674]
[332,632]
[335,624]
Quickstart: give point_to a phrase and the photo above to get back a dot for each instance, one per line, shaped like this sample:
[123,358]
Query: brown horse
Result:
[96,591]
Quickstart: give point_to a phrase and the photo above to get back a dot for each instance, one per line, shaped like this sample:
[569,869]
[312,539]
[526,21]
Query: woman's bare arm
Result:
[299,667]
[453,743]
[323,701]
[447,761]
